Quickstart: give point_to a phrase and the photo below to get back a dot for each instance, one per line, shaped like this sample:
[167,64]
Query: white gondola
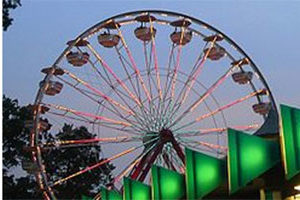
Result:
[108,40]
[215,53]
[51,88]
[242,77]
[144,33]
[262,108]
[78,59]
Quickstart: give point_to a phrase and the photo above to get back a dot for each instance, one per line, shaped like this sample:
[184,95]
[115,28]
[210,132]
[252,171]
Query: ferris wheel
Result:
[149,84]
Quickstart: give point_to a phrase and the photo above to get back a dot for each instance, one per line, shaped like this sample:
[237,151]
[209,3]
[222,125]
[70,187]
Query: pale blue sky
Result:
[269,31]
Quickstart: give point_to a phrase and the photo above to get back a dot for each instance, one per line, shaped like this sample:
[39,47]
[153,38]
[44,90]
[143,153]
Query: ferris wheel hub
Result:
[166,135]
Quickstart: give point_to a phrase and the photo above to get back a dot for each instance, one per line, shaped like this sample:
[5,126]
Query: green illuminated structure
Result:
[248,157]
[290,140]
[110,195]
[167,184]
[135,190]
[203,173]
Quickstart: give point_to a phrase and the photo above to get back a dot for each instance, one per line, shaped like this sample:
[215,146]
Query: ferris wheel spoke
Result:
[154,53]
[174,74]
[206,94]
[222,108]
[147,66]
[133,63]
[123,62]
[90,141]
[191,77]
[177,64]
[105,97]
[203,132]
[128,130]
[144,110]
[168,84]
[171,52]
[191,80]
[120,94]
[130,150]
[109,82]
[197,72]
[94,166]
[148,60]
[199,58]
[162,112]
[108,68]
[64,115]
[90,115]
[115,111]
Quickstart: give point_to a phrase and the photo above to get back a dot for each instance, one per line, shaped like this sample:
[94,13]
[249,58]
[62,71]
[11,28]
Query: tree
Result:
[59,162]
[15,137]
[62,162]
[7,6]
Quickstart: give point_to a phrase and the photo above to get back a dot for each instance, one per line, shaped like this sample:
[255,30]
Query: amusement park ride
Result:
[169,98]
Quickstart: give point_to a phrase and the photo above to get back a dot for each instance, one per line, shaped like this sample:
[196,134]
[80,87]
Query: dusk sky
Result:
[267,31]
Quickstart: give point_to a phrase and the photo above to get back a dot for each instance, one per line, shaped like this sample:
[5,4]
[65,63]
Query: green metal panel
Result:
[167,184]
[248,157]
[203,173]
[290,140]
[110,195]
[135,190]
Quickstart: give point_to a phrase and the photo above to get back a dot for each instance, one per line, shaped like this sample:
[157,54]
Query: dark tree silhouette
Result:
[15,137]
[60,162]
[7,5]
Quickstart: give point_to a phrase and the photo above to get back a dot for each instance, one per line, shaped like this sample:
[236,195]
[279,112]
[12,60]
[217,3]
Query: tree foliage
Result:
[15,137]
[7,5]
[59,162]
[62,162]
